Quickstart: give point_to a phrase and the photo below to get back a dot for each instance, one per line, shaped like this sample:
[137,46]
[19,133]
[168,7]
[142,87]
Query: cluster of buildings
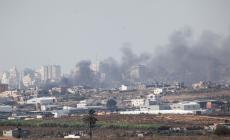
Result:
[158,88]
[28,78]
[208,85]
[11,78]
[23,88]
[50,73]
[152,104]
[51,106]
[59,101]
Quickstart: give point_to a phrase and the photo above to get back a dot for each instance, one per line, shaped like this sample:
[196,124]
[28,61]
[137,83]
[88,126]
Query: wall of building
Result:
[137,102]
[186,106]
[3,87]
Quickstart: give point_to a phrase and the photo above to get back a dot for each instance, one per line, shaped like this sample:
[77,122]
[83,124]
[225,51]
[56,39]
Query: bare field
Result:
[198,95]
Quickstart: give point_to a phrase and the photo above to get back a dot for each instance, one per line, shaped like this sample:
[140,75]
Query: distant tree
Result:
[111,104]
[18,133]
[222,131]
[90,120]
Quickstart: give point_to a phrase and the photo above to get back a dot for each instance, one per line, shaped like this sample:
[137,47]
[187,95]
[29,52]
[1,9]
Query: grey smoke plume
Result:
[83,74]
[189,60]
[118,73]
[110,69]
[184,59]
[130,59]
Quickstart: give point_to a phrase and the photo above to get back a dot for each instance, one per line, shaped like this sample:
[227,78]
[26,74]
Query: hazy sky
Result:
[33,33]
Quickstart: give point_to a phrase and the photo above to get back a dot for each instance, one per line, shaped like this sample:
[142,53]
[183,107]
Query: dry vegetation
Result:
[155,119]
[135,138]
[128,132]
[197,95]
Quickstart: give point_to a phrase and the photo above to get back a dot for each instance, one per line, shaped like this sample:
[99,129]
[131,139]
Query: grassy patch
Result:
[127,126]
[41,123]
[75,124]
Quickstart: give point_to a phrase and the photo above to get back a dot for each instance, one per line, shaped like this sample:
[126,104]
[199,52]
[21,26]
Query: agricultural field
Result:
[120,126]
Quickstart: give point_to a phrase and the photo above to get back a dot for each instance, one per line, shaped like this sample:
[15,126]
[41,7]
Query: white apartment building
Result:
[12,78]
[82,104]
[137,102]
[5,78]
[50,73]
[27,80]
[158,91]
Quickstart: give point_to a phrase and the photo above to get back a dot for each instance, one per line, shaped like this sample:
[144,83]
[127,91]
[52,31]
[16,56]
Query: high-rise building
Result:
[44,73]
[137,72]
[55,72]
[27,80]
[12,78]
[5,78]
[50,73]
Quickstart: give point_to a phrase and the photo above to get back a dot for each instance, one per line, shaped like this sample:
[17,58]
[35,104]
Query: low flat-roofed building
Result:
[82,104]
[42,100]
[158,91]
[7,133]
[71,136]
[60,113]
[5,108]
[17,133]
[209,104]
[186,106]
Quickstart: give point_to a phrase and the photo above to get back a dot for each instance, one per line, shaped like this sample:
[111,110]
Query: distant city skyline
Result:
[36,33]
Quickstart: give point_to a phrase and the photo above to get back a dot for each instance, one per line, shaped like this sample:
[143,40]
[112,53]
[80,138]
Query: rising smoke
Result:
[82,74]
[189,60]
[182,59]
